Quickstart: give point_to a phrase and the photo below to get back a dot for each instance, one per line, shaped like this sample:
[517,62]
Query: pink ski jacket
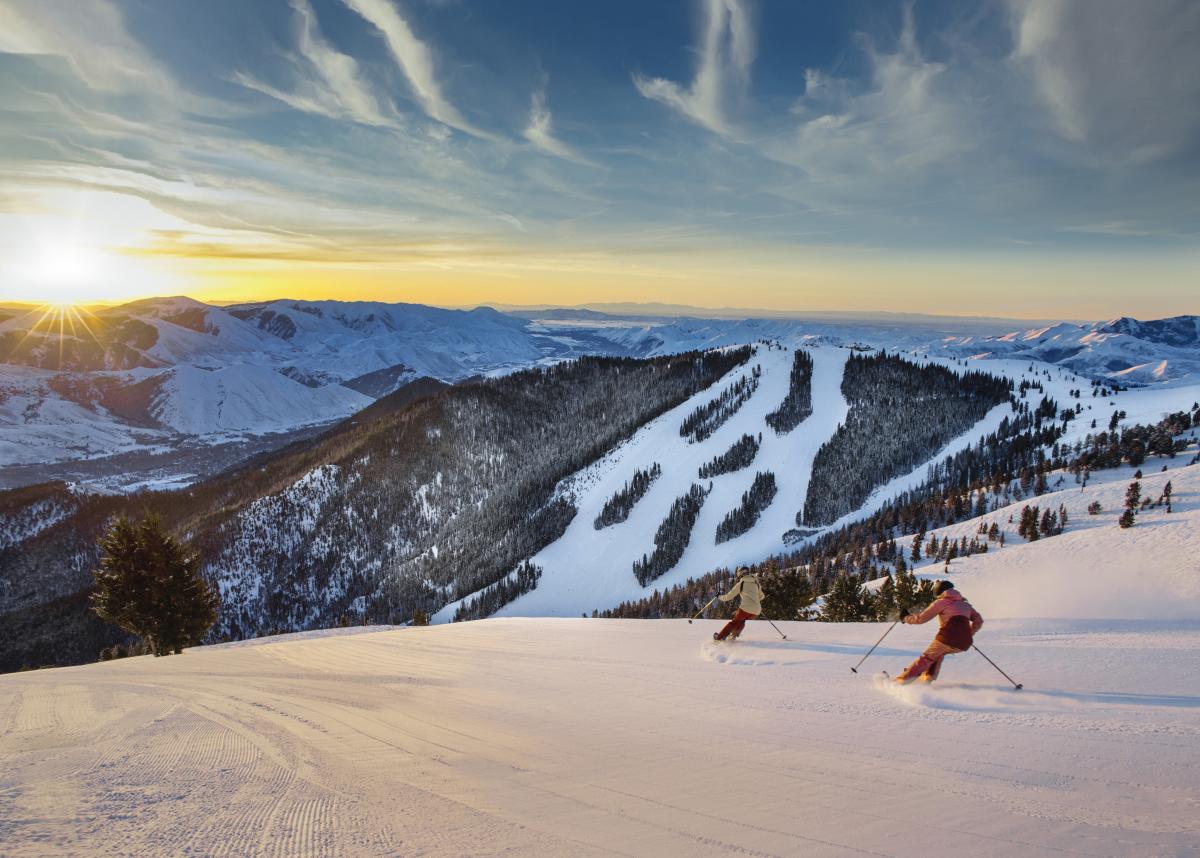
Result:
[954,613]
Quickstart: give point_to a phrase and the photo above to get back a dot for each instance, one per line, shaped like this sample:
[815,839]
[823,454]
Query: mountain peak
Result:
[1172,331]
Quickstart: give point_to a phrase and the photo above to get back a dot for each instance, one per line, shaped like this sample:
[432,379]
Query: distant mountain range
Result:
[151,375]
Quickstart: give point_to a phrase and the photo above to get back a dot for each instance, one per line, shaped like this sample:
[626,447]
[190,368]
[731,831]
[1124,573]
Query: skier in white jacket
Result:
[748,588]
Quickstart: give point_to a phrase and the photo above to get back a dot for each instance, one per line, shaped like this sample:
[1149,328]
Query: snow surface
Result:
[544,737]
[1094,568]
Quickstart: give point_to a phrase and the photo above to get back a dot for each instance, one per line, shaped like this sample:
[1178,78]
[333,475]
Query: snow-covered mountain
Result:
[156,375]
[1122,351]
[171,374]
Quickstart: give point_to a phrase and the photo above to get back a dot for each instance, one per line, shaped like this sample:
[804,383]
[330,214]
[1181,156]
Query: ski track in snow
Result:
[594,737]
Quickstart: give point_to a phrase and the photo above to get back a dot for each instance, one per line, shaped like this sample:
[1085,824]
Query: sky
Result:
[1024,158]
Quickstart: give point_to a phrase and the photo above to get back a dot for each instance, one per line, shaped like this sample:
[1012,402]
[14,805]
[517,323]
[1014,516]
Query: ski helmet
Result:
[942,586]
[743,570]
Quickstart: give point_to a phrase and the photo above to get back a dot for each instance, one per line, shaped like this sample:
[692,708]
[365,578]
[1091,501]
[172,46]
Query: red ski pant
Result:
[930,661]
[734,627]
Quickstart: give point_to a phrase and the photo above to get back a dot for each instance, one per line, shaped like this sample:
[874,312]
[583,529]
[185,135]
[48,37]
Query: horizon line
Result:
[655,309]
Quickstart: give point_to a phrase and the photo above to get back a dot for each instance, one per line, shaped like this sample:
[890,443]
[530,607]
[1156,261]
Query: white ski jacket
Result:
[748,588]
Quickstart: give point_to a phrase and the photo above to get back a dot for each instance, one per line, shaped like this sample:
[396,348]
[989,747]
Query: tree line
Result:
[756,499]
[712,415]
[738,456]
[797,405]
[900,415]
[672,537]
[618,507]
[495,596]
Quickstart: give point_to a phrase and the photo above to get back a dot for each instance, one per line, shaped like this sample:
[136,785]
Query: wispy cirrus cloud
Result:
[540,132]
[1120,79]
[859,144]
[95,42]
[326,81]
[416,60]
[723,72]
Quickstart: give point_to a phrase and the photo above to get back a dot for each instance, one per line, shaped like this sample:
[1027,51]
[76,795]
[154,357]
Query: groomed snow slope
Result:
[1094,568]
[607,737]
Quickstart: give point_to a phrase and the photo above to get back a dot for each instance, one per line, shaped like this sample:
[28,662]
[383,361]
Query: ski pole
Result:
[702,610]
[775,627]
[1018,686]
[872,649]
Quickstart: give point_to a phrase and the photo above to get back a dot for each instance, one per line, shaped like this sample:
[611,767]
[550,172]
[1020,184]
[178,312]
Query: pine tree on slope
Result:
[150,585]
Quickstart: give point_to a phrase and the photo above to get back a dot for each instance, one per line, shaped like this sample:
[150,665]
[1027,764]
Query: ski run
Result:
[556,737]
[588,569]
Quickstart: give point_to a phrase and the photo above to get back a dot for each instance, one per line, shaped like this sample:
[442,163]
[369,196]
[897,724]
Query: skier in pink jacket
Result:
[958,624]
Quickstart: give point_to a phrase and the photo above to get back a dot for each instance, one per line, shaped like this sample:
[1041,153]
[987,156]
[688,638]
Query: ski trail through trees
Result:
[588,569]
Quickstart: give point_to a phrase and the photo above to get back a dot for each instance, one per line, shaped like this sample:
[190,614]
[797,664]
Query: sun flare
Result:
[66,273]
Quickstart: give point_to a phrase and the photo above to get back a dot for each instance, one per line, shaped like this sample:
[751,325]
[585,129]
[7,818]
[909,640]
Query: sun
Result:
[66,273]
[82,247]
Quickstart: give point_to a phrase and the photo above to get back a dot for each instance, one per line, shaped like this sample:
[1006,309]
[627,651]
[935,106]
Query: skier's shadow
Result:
[1104,698]
[1122,698]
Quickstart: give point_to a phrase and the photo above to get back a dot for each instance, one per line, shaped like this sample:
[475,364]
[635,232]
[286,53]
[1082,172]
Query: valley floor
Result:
[594,737]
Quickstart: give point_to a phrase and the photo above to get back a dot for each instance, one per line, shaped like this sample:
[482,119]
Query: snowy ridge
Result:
[38,425]
[253,399]
[28,522]
[1094,569]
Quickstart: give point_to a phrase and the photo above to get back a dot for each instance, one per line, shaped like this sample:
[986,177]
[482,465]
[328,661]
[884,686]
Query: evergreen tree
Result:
[150,585]
[739,456]
[745,516]
[787,595]
[672,537]
[844,602]
[885,600]
[617,508]
[1133,496]
[797,405]
[1029,523]
[907,591]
